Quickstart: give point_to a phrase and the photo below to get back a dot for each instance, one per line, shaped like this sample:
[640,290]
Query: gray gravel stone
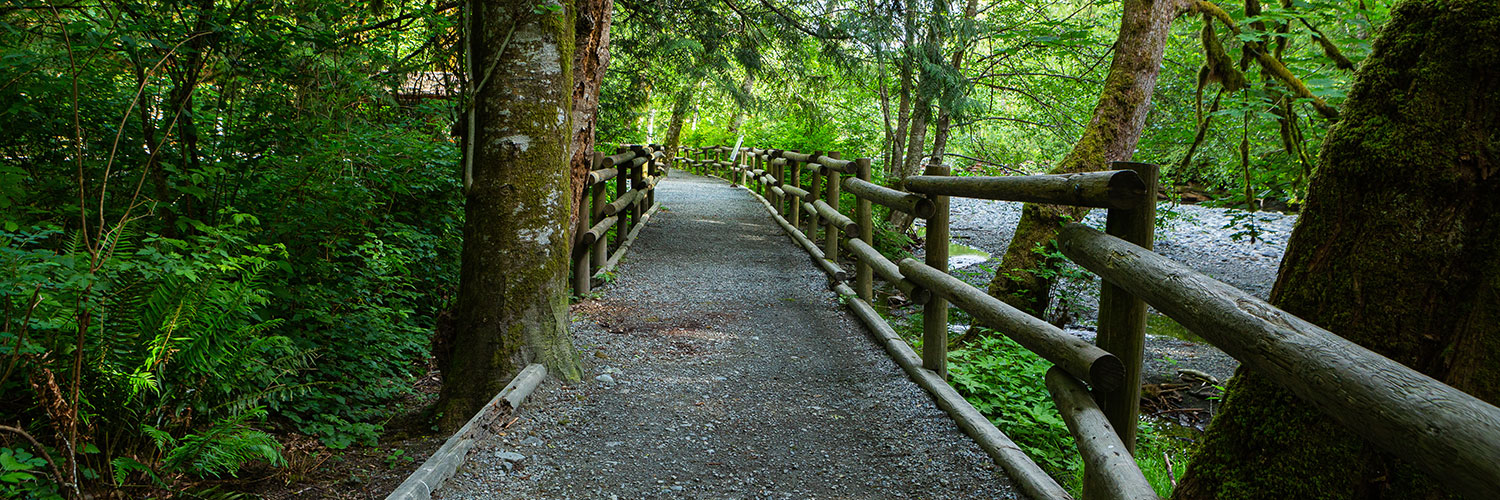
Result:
[750,381]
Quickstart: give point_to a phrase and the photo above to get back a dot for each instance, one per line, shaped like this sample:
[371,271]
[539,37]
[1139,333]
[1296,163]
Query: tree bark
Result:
[1397,249]
[590,59]
[680,109]
[1111,135]
[513,291]
[927,90]
[944,126]
[903,111]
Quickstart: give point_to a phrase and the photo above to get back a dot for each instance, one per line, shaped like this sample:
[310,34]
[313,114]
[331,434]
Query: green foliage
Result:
[23,475]
[249,227]
[1007,383]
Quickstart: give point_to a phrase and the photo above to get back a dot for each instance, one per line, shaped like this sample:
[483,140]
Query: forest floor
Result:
[719,366]
[357,472]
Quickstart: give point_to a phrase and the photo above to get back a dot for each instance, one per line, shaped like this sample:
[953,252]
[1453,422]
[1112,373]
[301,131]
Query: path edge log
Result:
[444,462]
[1026,473]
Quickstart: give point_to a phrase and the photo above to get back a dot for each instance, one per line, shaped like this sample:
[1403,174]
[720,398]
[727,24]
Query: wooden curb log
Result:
[1446,432]
[446,460]
[1021,469]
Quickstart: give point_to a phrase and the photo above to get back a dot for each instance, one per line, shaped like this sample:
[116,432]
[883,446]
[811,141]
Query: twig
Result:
[39,448]
[1171,477]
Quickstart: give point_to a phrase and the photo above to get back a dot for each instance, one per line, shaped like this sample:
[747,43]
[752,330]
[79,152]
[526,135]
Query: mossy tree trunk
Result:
[680,108]
[513,283]
[1398,249]
[590,59]
[1111,135]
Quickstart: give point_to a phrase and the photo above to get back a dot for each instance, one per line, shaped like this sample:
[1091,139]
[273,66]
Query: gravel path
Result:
[721,367]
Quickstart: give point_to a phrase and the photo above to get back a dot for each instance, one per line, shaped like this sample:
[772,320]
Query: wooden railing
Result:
[1450,434]
[636,170]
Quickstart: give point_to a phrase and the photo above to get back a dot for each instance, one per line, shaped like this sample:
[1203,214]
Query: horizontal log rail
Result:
[1081,359]
[635,171]
[1111,189]
[1450,434]
[915,204]
[832,216]
[888,271]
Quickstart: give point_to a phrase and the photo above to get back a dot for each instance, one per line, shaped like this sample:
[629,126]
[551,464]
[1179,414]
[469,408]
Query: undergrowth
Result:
[1007,383]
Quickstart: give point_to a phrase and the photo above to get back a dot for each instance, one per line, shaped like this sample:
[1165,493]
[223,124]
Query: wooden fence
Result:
[636,171]
[1450,434]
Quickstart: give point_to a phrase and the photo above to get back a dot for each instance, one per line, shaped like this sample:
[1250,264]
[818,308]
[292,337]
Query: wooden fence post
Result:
[815,191]
[622,227]
[1122,316]
[831,233]
[601,247]
[863,274]
[795,201]
[935,312]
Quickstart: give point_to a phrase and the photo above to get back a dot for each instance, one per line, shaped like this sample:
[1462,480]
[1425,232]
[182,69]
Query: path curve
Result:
[736,374]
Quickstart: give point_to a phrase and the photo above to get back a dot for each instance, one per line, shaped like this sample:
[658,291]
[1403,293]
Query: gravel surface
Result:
[721,367]
[1200,237]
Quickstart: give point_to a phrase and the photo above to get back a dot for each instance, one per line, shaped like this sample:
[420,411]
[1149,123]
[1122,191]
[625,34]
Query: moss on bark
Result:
[1396,250]
[1111,135]
[512,303]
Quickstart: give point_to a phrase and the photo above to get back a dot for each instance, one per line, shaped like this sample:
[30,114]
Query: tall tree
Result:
[1111,135]
[1398,249]
[590,59]
[512,300]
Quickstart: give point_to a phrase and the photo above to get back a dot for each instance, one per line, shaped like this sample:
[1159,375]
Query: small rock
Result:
[509,456]
[605,378]
[532,441]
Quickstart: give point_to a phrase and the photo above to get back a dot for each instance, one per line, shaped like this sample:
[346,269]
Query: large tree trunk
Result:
[513,293]
[1398,249]
[1111,135]
[680,108]
[590,59]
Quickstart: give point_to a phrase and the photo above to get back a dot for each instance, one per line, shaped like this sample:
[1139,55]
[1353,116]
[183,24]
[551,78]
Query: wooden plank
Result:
[1451,435]
[1104,455]
[1034,482]
[1110,189]
[1086,361]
